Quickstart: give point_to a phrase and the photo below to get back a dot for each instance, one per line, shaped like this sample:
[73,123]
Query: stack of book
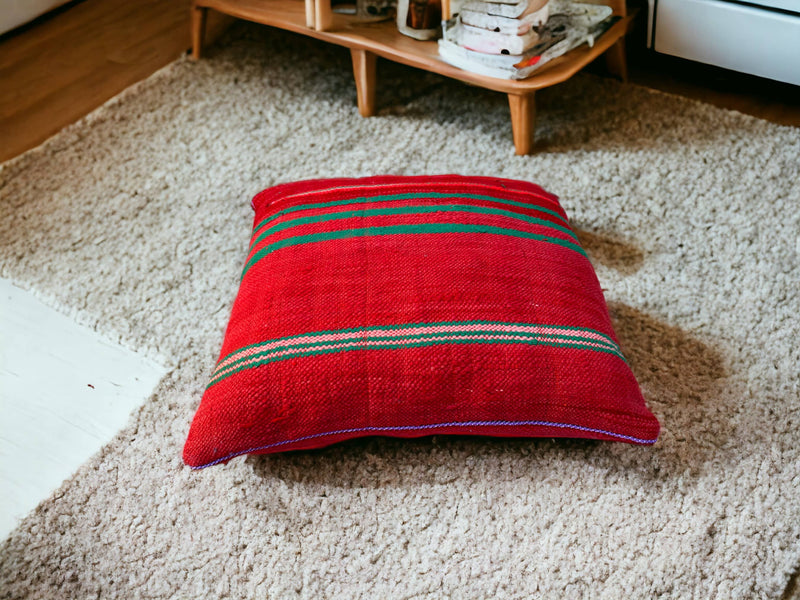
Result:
[511,40]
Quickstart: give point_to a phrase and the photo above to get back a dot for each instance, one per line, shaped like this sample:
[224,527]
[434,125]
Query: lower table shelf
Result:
[367,41]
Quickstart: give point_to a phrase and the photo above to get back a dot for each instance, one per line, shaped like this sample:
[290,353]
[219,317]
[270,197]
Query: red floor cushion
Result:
[412,306]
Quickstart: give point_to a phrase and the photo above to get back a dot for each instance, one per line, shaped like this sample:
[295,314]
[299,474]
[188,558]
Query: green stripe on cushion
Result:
[408,196]
[424,228]
[408,210]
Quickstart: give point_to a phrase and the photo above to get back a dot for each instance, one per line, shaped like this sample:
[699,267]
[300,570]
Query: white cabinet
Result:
[761,37]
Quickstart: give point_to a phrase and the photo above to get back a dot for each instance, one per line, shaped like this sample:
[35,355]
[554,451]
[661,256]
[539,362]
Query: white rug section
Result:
[64,392]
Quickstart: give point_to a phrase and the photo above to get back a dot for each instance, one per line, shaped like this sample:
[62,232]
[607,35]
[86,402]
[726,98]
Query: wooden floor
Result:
[764,98]
[60,67]
[65,64]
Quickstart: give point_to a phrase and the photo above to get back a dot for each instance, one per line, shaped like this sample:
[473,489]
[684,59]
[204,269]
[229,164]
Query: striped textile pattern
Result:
[409,306]
[407,336]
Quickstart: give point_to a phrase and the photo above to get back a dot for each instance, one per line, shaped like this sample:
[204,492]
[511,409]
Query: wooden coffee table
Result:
[367,41]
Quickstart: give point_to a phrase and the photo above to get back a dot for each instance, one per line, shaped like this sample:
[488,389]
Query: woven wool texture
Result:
[411,306]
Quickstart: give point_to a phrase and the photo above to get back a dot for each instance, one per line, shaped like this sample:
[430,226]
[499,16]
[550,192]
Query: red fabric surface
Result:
[412,306]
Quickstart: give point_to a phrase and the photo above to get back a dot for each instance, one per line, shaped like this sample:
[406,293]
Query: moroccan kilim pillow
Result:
[412,306]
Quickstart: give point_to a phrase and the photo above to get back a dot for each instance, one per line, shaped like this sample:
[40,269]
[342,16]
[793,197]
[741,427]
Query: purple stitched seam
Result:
[423,427]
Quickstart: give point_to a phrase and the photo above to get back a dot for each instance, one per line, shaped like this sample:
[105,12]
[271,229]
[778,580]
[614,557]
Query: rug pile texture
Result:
[135,221]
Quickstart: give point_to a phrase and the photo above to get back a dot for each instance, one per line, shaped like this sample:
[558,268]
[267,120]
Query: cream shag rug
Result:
[136,221]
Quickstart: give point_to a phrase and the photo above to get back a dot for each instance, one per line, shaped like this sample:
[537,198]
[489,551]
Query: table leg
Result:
[364,72]
[199,16]
[616,62]
[523,121]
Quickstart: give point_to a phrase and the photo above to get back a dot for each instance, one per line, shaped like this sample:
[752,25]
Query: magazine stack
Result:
[511,40]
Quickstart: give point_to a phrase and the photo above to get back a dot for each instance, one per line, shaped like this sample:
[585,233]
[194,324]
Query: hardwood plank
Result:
[61,68]
[763,98]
